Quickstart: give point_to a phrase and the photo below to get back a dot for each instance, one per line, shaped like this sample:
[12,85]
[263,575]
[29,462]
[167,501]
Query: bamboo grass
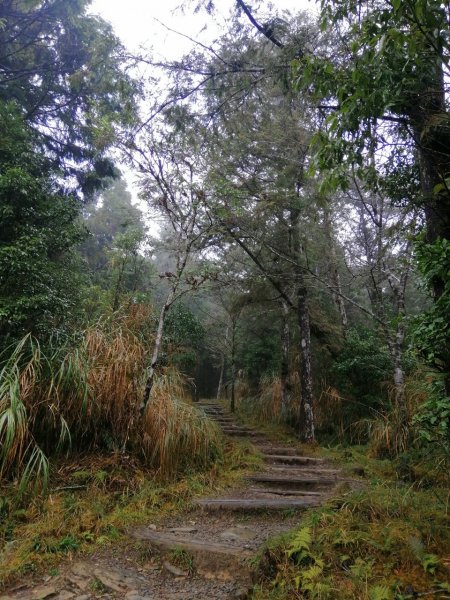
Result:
[84,396]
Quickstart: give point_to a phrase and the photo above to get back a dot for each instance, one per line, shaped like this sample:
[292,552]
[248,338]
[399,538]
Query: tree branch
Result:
[266,31]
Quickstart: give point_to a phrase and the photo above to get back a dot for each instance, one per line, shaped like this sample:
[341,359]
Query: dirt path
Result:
[207,552]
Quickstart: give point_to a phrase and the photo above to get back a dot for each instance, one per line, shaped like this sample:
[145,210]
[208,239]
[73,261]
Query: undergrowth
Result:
[386,540]
[95,499]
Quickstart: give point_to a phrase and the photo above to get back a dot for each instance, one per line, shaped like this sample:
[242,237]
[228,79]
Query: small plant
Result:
[97,586]
[66,544]
[182,559]
[380,592]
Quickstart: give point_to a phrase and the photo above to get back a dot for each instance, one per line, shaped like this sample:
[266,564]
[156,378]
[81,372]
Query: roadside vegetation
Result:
[387,538]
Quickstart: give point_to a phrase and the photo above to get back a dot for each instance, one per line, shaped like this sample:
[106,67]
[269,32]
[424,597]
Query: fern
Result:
[380,592]
[300,544]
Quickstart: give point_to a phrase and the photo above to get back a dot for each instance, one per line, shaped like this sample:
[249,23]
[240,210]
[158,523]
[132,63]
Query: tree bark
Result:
[335,275]
[233,366]
[285,371]
[306,384]
[156,350]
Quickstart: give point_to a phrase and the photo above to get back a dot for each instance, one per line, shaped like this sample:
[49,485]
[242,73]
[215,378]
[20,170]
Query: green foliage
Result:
[433,418]
[431,334]
[380,592]
[184,336]
[260,354]
[64,70]
[40,275]
[432,328]
[182,559]
[299,545]
[361,368]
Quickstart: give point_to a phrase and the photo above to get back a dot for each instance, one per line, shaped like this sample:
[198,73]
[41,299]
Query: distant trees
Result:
[115,247]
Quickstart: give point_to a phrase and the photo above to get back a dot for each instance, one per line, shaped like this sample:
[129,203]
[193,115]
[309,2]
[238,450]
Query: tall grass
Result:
[266,406]
[86,393]
[176,434]
[383,429]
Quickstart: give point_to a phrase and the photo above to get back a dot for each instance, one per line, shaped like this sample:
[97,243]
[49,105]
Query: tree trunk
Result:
[335,275]
[156,350]
[306,384]
[285,374]
[306,432]
[398,287]
[222,367]
[233,366]
[222,371]
[429,116]
[399,383]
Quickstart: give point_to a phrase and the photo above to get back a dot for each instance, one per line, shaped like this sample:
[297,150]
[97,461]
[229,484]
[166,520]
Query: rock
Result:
[82,582]
[44,592]
[183,529]
[117,580]
[174,570]
[135,595]
[239,533]
[81,569]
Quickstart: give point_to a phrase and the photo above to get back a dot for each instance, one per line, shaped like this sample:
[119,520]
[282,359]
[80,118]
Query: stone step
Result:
[222,561]
[283,492]
[277,450]
[240,432]
[300,470]
[288,481]
[255,504]
[293,460]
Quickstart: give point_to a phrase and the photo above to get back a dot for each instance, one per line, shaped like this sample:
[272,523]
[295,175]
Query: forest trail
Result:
[206,552]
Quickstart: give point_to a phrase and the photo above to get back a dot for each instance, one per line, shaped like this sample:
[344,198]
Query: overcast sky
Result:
[136,21]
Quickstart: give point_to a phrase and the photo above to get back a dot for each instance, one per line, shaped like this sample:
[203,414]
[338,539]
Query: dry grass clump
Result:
[85,394]
[175,433]
[266,406]
[382,428]
[329,412]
